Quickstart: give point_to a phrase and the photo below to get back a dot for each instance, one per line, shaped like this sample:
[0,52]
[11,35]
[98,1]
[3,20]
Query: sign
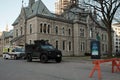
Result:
[95,49]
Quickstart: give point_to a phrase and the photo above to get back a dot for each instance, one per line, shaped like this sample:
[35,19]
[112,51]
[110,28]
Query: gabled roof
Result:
[38,8]
[6,34]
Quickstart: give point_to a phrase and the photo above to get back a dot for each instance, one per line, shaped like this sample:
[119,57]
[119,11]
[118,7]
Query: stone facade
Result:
[71,32]
[116,28]
[5,40]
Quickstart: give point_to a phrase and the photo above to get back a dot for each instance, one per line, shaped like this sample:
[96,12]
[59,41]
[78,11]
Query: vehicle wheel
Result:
[58,60]
[5,57]
[29,58]
[43,58]
[15,57]
[24,58]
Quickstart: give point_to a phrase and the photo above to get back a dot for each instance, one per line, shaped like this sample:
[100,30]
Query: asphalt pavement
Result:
[71,68]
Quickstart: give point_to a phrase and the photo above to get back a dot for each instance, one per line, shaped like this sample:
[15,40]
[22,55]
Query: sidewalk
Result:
[77,59]
[84,59]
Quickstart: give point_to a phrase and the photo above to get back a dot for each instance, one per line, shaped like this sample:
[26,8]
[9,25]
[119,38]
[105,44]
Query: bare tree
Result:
[117,16]
[106,10]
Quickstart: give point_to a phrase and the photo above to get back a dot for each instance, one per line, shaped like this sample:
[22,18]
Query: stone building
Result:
[5,40]
[71,32]
[60,5]
[116,28]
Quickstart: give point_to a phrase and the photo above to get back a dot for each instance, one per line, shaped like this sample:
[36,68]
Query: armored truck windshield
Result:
[47,47]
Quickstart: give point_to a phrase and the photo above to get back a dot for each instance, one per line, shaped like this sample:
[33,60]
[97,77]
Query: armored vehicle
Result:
[42,50]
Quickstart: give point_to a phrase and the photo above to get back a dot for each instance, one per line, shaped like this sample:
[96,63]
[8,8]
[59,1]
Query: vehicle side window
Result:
[13,50]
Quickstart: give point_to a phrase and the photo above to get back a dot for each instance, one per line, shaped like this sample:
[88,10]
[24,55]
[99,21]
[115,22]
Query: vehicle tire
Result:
[5,57]
[43,58]
[15,57]
[29,58]
[58,60]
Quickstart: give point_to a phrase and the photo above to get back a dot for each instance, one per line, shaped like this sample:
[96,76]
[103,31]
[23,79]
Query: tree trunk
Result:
[109,30]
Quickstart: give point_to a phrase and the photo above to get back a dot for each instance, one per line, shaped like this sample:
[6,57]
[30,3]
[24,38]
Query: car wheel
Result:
[5,57]
[43,58]
[58,60]
[15,57]
[29,58]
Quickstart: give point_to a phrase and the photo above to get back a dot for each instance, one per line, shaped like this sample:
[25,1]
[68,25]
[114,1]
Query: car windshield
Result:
[19,50]
[47,47]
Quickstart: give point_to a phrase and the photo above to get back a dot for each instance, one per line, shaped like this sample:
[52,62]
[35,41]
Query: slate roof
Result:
[6,34]
[38,8]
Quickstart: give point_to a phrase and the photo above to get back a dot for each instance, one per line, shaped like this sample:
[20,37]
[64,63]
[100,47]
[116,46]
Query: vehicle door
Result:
[37,51]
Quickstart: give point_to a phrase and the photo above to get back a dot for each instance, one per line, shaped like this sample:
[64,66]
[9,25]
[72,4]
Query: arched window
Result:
[44,29]
[102,37]
[30,28]
[63,45]
[82,32]
[69,32]
[82,45]
[41,27]
[56,44]
[70,46]
[56,30]
[63,31]
[105,37]
[48,29]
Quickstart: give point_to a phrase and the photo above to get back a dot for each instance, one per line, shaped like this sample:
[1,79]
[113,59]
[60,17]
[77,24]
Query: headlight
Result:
[58,55]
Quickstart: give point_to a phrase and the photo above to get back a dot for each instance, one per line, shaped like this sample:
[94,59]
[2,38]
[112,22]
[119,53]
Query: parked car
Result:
[16,53]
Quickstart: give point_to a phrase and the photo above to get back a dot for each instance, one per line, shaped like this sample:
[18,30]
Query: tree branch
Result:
[114,11]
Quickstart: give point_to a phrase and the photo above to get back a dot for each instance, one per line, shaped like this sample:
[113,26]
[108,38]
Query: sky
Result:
[10,9]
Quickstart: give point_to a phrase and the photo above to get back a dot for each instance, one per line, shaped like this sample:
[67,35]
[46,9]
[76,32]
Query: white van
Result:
[6,56]
[16,53]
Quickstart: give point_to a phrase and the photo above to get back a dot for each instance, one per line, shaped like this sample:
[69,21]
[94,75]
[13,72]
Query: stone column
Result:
[76,38]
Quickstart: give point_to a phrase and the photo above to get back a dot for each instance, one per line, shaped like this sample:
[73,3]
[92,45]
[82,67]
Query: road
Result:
[66,70]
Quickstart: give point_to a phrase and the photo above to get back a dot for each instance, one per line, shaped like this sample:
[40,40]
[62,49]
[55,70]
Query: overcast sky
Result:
[10,9]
